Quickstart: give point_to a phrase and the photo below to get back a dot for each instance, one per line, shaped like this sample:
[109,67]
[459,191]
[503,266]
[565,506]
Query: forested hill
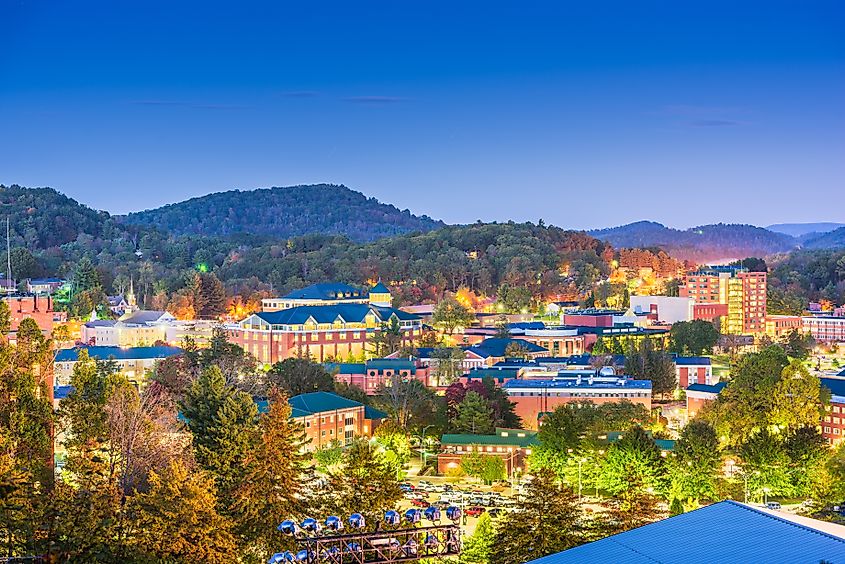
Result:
[832,240]
[285,212]
[42,217]
[700,244]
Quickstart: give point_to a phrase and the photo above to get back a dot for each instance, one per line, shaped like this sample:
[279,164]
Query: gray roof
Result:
[327,291]
[141,317]
[725,532]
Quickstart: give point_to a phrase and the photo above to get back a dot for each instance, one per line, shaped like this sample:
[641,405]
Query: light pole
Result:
[766,491]
[423,451]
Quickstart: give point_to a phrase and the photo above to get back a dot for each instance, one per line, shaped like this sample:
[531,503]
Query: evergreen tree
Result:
[645,362]
[300,376]
[5,319]
[633,465]
[473,415]
[85,276]
[544,522]
[276,470]
[222,421]
[479,547]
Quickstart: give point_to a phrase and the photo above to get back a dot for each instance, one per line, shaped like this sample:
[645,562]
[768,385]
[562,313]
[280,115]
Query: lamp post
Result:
[766,491]
[423,451]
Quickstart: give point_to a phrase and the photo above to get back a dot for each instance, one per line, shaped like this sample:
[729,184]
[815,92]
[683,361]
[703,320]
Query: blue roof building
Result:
[497,347]
[133,362]
[725,532]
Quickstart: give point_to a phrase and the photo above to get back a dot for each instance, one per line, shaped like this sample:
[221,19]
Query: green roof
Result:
[318,402]
[489,440]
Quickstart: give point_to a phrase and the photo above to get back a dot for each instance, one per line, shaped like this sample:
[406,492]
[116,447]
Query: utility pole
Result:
[8,252]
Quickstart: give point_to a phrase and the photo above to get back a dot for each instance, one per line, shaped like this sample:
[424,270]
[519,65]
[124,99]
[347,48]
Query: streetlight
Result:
[423,451]
[766,491]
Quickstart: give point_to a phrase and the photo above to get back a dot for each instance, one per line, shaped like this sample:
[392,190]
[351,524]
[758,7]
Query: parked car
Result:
[773,505]
[419,502]
[410,495]
[475,511]
[406,487]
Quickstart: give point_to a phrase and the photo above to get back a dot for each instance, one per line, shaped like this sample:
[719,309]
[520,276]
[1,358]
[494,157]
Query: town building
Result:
[497,349]
[779,326]
[833,423]
[327,293]
[699,395]
[742,291]
[329,418]
[693,370]
[556,341]
[664,309]
[44,286]
[133,362]
[143,328]
[511,445]
[324,332]
[372,374]
[38,308]
[825,328]
[534,397]
[727,531]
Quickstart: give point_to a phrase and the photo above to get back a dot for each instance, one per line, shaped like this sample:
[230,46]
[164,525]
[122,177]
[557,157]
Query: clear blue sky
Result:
[585,114]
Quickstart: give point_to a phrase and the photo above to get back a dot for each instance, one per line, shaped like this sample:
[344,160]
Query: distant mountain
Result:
[707,243]
[801,229]
[832,240]
[285,212]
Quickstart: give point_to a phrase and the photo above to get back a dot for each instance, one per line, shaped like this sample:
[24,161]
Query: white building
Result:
[668,309]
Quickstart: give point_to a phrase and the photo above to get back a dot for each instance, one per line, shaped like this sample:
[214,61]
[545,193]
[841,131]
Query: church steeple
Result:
[130,295]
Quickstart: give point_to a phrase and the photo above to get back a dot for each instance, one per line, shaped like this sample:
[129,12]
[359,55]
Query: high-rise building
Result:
[743,292]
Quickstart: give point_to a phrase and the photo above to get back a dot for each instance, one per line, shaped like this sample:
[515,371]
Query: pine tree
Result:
[478,548]
[544,523]
[177,520]
[223,427]
[271,488]
[473,415]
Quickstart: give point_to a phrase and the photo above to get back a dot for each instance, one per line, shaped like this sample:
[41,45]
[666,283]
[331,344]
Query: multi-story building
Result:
[371,375]
[330,418]
[323,332]
[743,292]
[699,395]
[40,309]
[664,309]
[693,370]
[825,328]
[833,424]
[133,362]
[145,328]
[535,397]
[44,286]
[511,445]
[778,326]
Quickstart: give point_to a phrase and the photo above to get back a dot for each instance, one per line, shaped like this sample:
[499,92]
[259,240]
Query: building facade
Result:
[743,292]
[513,446]
[699,395]
[535,397]
[133,362]
[371,375]
[825,328]
[693,370]
[833,423]
[332,419]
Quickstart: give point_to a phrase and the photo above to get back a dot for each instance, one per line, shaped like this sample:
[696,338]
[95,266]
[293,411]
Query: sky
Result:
[583,114]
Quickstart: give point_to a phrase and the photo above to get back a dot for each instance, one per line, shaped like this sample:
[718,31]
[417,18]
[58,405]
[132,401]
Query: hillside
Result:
[832,240]
[285,212]
[706,243]
[42,217]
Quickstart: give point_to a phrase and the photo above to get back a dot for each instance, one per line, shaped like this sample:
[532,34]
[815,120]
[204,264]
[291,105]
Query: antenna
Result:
[8,254]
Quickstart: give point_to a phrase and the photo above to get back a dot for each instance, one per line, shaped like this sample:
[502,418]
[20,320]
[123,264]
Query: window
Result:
[349,421]
[349,435]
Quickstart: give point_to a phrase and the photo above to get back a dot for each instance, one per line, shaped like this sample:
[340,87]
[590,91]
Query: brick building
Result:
[328,417]
[825,328]
[693,370]
[512,445]
[742,291]
[370,375]
[698,395]
[833,424]
[534,397]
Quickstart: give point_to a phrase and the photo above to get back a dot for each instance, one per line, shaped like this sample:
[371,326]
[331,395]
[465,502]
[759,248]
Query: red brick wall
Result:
[530,407]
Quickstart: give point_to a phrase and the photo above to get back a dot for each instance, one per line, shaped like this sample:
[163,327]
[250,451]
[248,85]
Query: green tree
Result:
[473,415]
[272,485]
[365,483]
[24,264]
[222,421]
[5,318]
[209,296]
[633,466]
[449,314]
[798,399]
[546,521]
[697,337]
[85,276]
[766,465]
[447,364]
[695,465]
[479,547]
[646,362]
[410,404]
[300,376]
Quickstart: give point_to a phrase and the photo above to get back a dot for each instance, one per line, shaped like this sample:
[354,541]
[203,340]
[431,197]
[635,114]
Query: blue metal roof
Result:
[714,389]
[692,360]
[61,392]
[327,291]
[497,346]
[118,353]
[345,367]
[379,289]
[725,532]
[351,313]
[835,385]
[391,364]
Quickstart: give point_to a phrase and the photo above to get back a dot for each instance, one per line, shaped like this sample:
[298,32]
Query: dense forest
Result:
[699,244]
[803,276]
[830,240]
[285,212]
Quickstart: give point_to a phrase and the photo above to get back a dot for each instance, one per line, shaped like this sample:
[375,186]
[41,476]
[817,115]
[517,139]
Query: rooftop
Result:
[327,291]
[710,389]
[835,385]
[117,353]
[497,347]
[349,313]
[692,360]
[141,317]
[379,288]
[490,440]
[570,382]
[727,531]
